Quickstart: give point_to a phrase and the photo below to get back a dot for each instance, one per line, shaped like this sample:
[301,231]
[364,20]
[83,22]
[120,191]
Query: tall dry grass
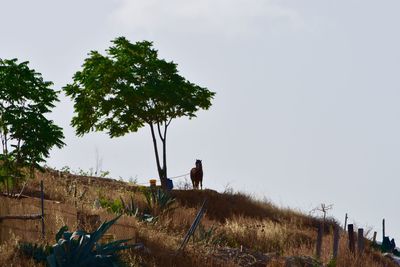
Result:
[238,221]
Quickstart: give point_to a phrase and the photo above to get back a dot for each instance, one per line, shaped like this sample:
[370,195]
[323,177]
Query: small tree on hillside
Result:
[129,88]
[26,134]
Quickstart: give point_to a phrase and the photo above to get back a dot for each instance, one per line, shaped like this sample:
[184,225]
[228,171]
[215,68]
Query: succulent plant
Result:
[38,252]
[158,200]
[84,250]
[130,208]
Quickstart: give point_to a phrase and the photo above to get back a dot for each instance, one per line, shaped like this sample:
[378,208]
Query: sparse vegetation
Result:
[235,231]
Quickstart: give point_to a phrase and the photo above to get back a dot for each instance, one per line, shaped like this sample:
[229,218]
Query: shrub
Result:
[114,206]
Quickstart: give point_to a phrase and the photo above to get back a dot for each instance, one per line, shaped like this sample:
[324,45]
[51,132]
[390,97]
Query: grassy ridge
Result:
[235,231]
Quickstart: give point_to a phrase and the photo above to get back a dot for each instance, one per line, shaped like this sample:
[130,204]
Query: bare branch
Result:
[169,122]
[159,131]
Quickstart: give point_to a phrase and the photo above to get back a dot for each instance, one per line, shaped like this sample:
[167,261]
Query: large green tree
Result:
[26,134]
[131,87]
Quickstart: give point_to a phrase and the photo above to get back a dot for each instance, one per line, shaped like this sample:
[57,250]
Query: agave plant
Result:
[80,249]
[130,208]
[38,252]
[158,200]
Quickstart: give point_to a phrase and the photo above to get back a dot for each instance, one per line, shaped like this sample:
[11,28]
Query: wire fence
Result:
[56,214]
[172,178]
[52,214]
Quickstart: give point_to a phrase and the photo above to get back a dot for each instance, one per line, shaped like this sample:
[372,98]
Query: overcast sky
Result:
[307,106]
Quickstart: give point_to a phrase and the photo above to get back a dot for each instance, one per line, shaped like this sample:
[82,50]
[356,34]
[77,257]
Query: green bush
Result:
[114,206]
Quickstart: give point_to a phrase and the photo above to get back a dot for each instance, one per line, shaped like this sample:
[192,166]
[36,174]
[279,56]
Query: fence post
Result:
[42,205]
[383,229]
[336,237]
[374,238]
[351,237]
[360,241]
[319,241]
[345,222]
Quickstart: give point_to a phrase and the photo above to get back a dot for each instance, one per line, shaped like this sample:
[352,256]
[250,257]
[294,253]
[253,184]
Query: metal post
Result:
[193,226]
[319,241]
[383,229]
[345,222]
[351,238]
[374,238]
[360,240]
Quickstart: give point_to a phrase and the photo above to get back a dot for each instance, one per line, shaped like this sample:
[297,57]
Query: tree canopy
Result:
[26,134]
[131,87]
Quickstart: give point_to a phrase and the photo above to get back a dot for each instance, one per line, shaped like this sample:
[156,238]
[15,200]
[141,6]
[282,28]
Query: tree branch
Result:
[18,150]
[165,149]
[159,131]
[5,142]
[2,141]
[169,122]
[155,149]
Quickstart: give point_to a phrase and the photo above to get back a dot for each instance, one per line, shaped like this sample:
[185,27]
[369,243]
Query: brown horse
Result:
[196,175]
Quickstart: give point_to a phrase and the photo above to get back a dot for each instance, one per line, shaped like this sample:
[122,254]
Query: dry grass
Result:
[265,235]
[238,222]
[9,255]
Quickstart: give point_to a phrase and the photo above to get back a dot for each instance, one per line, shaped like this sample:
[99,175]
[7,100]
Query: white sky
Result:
[306,109]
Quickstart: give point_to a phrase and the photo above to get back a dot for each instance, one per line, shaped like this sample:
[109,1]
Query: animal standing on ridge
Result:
[196,175]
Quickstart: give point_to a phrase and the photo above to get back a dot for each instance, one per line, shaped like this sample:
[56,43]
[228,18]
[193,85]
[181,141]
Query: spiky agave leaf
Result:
[60,232]
[83,250]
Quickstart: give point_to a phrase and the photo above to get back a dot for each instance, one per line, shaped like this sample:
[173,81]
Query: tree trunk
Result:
[164,141]
[161,170]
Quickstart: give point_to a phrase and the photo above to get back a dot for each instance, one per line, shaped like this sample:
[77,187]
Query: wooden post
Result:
[345,222]
[383,229]
[374,238]
[319,241]
[42,205]
[336,237]
[360,240]
[351,238]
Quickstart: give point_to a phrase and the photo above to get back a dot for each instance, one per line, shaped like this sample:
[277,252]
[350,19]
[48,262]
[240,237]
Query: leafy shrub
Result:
[118,206]
[115,206]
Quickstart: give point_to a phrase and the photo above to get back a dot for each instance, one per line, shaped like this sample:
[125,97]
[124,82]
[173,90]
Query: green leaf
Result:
[27,135]
[60,232]
[130,87]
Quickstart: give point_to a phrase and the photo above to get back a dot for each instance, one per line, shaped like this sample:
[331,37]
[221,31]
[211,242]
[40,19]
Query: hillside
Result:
[236,230]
